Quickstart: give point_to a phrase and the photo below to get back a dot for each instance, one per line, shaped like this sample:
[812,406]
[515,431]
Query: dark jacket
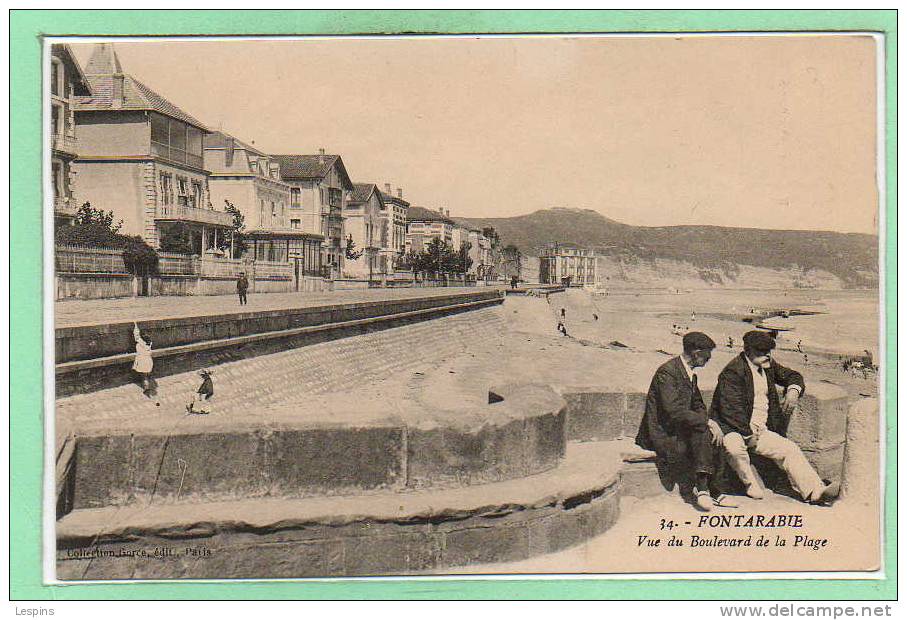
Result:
[732,404]
[242,284]
[672,406]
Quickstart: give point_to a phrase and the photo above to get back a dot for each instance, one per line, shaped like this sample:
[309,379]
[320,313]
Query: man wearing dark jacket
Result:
[676,423]
[242,285]
[753,418]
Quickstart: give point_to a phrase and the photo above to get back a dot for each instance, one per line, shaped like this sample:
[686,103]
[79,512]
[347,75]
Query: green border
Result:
[26,464]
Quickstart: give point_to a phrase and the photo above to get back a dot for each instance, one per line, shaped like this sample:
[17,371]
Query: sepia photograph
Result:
[330,307]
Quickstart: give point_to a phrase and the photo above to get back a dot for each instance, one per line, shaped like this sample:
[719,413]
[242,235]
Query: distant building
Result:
[363,225]
[319,190]
[393,228]
[67,81]
[249,179]
[559,264]
[141,157]
[423,225]
[480,252]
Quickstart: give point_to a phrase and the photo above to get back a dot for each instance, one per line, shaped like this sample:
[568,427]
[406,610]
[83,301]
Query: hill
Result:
[715,253]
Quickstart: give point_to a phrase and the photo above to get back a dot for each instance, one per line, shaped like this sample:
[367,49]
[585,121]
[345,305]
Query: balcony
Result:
[179,213]
[65,206]
[65,144]
[176,155]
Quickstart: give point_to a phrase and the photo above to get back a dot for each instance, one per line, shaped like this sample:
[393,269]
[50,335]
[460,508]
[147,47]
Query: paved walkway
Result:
[73,313]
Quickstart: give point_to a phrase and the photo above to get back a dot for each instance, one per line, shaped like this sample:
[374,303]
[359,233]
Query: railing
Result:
[177,155]
[65,143]
[221,267]
[268,269]
[78,259]
[176,264]
[194,214]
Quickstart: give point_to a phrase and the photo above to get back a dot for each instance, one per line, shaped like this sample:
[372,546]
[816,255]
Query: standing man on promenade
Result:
[676,423]
[753,418]
[242,285]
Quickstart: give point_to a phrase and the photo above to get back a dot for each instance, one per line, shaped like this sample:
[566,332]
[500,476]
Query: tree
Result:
[239,225]
[464,260]
[511,260]
[492,235]
[96,228]
[351,252]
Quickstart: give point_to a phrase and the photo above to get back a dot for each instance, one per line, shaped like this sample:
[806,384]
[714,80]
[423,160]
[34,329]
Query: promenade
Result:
[74,313]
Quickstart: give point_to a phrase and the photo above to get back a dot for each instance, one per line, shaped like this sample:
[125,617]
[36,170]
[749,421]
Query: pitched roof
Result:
[100,72]
[391,198]
[218,140]
[363,191]
[420,214]
[310,166]
[74,71]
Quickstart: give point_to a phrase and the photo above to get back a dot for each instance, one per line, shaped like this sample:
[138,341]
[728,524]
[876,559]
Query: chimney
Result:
[228,151]
[387,189]
[399,192]
[117,95]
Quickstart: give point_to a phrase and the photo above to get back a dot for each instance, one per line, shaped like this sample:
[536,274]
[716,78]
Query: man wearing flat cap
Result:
[676,423]
[754,419]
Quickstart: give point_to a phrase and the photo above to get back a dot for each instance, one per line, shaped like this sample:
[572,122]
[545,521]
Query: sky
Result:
[767,132]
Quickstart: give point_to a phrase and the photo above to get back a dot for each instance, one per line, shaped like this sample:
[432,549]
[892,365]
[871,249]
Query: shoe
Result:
[754,491]
[704,500]
[725,501]
[829,495]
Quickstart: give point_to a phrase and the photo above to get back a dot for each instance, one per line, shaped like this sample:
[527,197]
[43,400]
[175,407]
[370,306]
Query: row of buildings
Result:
[124,148]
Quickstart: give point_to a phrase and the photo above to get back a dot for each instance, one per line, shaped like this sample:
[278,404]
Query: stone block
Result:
[102,474]
[199,467]
[401,553]
[635,408]
[827,461]
[546,440]
[272,560]
[313,461]
[594,416]
[482,545]
[643,480]
[822,418]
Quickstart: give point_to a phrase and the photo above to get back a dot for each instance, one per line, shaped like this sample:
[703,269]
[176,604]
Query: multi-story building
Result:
[363,226]
[319,190]
[559,264]
[67,81]
[248,179]
[480,252]
[141,157]
[393,229]
[423,225]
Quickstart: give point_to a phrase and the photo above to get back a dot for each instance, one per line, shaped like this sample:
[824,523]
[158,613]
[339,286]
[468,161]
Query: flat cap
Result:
[758,341]
[697,341]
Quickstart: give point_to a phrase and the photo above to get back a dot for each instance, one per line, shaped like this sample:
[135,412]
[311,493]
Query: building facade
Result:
[319,191]
[423,225]
[393,229]
[67,81]
[141,157]
[572,266]
[248,179]
[364,225]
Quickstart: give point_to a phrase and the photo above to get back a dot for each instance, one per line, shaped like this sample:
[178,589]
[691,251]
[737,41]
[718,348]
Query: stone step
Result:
[330,445]
[381,533]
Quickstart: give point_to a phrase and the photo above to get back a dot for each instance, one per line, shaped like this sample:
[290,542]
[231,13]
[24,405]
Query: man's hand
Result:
[717,434]
[791,401]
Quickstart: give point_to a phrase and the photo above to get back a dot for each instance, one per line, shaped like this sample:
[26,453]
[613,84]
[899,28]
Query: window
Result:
[56,120]
[166,189]
[295,197]
[335,197]
[261,213]
[56,78]
[197,198]
[57,172]
[294,224]
[182,191]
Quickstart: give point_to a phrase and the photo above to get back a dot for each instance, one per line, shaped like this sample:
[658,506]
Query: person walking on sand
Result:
[144,363]
[242,285]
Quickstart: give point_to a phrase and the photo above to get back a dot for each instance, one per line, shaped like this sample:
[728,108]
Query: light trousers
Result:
[784,452]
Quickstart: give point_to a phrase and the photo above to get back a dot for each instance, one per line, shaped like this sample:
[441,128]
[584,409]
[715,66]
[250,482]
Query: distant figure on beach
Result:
[730,342]
[806,359]
[692,316]
[561,327]
[800,346]
[594,316]
[144,363]
[677,427]
[513,281]
[242,285]
[200,403]
[563,313]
